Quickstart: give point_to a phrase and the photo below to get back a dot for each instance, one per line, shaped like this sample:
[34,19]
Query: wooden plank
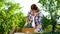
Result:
[26,30]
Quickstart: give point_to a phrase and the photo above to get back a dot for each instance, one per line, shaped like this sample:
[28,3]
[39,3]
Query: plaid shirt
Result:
[37,19]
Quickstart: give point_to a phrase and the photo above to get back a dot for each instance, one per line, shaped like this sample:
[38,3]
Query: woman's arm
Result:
[26,22]
[40,17]
[27,19]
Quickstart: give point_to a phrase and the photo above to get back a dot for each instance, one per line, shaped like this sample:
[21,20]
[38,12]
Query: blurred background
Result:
[14,12]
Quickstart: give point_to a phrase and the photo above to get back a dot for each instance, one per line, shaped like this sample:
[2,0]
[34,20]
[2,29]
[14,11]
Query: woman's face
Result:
[34,10]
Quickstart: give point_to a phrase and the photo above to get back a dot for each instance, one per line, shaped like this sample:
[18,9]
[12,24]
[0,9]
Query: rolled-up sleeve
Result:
[40,17]
[28,15]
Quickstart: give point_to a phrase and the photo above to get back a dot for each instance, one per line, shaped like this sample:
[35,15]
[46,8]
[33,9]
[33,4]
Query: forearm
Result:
[26,22]
[27,19]
[40,20]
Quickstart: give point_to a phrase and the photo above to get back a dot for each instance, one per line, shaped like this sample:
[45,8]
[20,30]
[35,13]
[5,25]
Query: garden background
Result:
[12,15]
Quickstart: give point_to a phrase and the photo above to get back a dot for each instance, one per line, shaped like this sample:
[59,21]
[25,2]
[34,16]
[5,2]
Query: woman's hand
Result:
[39,25]
[26,22]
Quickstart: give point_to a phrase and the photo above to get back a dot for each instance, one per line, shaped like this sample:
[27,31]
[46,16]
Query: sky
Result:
[25,4]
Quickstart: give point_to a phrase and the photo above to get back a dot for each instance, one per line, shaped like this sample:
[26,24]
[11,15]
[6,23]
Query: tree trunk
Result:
[54,26]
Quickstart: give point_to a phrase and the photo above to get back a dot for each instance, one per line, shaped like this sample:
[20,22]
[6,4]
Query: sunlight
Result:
[25,4]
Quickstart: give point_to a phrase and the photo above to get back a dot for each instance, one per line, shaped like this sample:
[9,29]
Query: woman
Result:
[35,18]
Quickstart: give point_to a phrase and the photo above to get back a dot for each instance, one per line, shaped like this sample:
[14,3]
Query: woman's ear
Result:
[38,9]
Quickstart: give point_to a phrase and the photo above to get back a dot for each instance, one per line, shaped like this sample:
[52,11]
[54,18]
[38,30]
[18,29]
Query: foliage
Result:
[8,17]
[46,22]
[58,4]
[52,7]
